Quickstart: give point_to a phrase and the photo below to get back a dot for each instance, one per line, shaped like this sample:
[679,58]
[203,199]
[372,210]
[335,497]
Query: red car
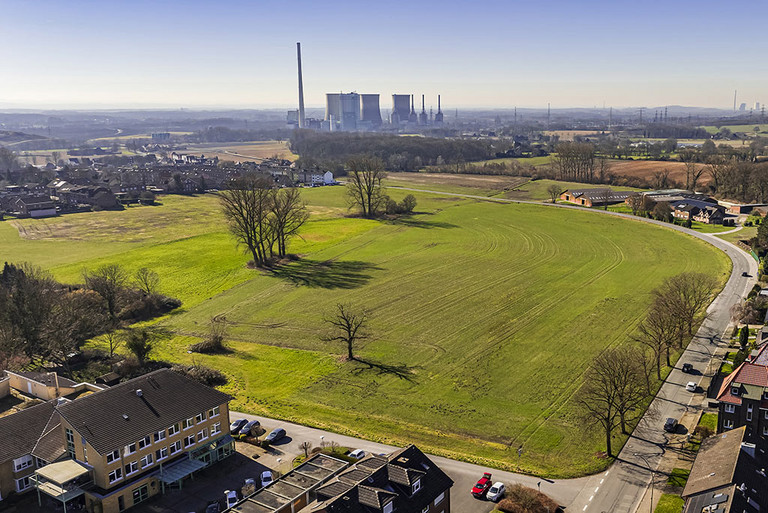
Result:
[481,488]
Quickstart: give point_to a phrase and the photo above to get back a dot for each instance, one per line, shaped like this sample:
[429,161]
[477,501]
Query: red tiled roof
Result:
[724,395]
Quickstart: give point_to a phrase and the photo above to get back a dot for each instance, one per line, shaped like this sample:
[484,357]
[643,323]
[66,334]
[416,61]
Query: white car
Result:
[231,497]
[358,454]
[496,492]
[266,478]
[691,386]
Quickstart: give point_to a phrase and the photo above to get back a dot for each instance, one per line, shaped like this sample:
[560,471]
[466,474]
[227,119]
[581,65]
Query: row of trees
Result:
[44,321]
[579,162]
[365,191]
[263,218]
[621,381]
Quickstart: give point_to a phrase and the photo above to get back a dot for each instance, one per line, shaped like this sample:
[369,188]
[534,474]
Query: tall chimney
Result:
[301,88]
[438,103]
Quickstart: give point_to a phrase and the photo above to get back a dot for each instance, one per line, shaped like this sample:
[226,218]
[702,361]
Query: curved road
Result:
[622,487]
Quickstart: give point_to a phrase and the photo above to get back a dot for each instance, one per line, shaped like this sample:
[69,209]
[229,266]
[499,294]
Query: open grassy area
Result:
[745,233]
[494,311]
[252,151]
[750,129]
[678,477]
[709,420]
[670,503]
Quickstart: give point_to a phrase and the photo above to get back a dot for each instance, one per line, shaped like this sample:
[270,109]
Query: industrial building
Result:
[369,109]
[400,108]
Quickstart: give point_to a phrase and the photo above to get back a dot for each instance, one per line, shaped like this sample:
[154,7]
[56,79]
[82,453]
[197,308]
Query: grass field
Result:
[494,311]
[670,503]
[749,129]
[745,233]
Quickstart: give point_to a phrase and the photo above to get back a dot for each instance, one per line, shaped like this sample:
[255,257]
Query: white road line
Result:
[606,472]
[591,497]
[585,507]
[601,481]
[596,489]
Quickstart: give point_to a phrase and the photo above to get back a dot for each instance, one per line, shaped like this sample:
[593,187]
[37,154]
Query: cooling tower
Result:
[332,106]
[401,106]
[369,109]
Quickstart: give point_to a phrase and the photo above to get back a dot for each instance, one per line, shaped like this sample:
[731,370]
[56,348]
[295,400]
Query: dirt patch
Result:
[646,169]
[474,181]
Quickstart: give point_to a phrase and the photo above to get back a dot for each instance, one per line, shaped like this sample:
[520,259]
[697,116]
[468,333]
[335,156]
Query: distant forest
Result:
[332,150]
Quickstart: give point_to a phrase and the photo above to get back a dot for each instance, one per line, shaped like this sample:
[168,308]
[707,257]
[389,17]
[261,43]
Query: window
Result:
[176,447]
[214,412]
[160,435]
[129,449]
[22,463]
[112,456]
[146,461]
[173,430]
[40,463]
[416,486]
[388,507]
[70,443]
[140,494]
[216,428]
[727,424]
[202,435]
[115,475]
[131,468]
[161,454]
[439,498]
[765,430]
[425,510]
[189,423]
[730,408]
[144,442]
[734,390]
[199,417]
[190,440]
[749,412]
[22,484]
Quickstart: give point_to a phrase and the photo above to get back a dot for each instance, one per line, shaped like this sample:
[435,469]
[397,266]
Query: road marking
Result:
[601,481]
[606,472]
[596,489]
[591,497]
[585,507]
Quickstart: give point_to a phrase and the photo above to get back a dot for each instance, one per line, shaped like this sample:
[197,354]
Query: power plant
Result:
[361,112]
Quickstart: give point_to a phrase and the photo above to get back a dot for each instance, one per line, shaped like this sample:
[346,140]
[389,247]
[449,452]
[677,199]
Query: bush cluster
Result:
[522,499]
[202,374]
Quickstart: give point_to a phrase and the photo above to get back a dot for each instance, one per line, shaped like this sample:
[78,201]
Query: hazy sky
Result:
[228,53]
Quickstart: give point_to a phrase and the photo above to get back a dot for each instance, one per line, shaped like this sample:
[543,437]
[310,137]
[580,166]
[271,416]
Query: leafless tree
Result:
[686,296]
[348,326]
[246,206]
[635,203]
[107,281]
[306,446]
[598,398]
[554,191]
[575,161]
[603,169]
[657,332]
[693,171]
[289,213]
[146,280]
[661,179]
[364,188]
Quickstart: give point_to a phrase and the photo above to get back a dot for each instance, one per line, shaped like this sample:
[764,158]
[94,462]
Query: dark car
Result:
[236,426]
[687,368]
[275,435]
[247,430]
[670,425]
[745,274]
[480,489]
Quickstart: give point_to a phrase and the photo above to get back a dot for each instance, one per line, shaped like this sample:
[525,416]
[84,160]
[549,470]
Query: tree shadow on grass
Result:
[329,274]
[402,370]
[421,223]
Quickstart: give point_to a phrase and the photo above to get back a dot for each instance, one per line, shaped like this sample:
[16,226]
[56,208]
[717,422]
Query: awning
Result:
[180,470]
[63,471]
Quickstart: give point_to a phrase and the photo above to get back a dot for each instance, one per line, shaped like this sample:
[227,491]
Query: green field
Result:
[496,310]
[750,129]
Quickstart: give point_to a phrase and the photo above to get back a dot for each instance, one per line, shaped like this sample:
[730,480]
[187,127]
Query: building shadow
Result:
[329,274]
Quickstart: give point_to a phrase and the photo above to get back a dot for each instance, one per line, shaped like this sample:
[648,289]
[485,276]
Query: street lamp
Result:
[653,475]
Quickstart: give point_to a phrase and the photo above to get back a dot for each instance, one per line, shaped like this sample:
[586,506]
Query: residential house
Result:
[743,398]
[728,476]
[30,440]
[314,178]
[32,206]
[43,385]
[594,197]
[405,481]
[697,210]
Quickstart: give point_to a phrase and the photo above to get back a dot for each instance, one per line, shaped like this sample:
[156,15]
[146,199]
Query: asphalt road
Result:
[621,488]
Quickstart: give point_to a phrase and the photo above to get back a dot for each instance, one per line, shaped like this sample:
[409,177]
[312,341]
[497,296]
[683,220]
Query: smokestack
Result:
[301,88]
[422,103]
[438,103]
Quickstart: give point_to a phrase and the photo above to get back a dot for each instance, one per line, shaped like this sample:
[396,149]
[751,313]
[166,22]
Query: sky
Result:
[500,54]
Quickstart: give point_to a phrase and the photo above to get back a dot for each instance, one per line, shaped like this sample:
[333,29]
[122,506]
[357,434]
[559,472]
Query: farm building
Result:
[738,208]
[594,197]
[696,210]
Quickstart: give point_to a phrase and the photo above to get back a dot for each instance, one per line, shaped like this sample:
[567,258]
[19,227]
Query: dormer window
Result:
[734,390]
[388,507]
[416,486]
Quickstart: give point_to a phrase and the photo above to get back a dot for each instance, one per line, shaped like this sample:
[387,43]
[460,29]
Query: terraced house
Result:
[743,398]
[114,448]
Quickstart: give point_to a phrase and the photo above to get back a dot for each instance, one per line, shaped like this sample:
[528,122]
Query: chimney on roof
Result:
[139,393]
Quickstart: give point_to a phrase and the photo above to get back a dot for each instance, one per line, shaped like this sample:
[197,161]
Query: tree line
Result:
[621,381]
[43,322]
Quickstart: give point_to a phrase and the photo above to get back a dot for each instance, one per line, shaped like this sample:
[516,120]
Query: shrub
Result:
[202,374]
[703,431]
[214,342]
[522,499]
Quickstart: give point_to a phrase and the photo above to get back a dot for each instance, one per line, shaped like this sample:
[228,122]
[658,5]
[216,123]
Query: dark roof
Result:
[723,497]
[166,398]
[600,194]
[694,203]
[50,445]
[21,430]
[715,463]
[47,379]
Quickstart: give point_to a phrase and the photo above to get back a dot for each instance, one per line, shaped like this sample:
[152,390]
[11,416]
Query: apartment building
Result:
[743,398]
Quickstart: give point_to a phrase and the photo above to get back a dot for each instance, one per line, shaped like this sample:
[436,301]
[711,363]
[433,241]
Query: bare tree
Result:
[107,281]
[141,341]
[364,189]
[685,297]
[693,171]
[113,340]
[246,206]
[289,213]
[603,169]
[306,446]
[635,203]
[598,397]
[146,280]
[554,191]
[657,332]
[348,326]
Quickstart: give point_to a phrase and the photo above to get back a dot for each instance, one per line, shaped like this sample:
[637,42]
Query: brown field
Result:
[446,180]
[645,169]
[568,135]
[253,151]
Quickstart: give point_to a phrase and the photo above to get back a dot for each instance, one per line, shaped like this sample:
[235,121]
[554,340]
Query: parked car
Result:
[247,430]
[275,435]
[496,492]
[236,426]
[358,454]
[481,487]
[670,425]
[230,496]
[266,478]
[687,368]
[691,386]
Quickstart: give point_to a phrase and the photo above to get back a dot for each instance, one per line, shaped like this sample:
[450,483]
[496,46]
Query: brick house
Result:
[32,206]
[594,197]
[743,398]
[405,481]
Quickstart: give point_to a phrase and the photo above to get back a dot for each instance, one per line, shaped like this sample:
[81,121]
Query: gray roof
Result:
[47,379]
[715,463]
[115,417]
[21,430]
